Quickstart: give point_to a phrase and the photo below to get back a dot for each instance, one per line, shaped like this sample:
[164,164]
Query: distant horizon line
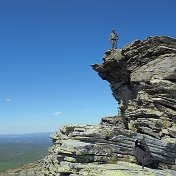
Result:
[25,133]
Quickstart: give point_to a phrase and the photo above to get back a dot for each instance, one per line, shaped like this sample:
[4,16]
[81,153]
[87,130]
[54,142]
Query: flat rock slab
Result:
[122,169]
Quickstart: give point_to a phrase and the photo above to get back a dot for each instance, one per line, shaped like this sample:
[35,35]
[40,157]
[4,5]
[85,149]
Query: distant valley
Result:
[16,150]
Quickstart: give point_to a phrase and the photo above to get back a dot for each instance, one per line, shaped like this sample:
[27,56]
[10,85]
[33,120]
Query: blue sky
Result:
[47,47]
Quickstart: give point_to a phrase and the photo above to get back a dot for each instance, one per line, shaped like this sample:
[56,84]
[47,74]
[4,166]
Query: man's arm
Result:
[117,37]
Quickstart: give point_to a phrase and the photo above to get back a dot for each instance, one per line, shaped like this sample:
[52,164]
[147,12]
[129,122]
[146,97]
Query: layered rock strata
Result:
[142,77]
[79,148]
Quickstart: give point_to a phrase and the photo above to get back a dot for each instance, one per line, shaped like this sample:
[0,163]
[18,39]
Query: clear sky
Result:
[47,47]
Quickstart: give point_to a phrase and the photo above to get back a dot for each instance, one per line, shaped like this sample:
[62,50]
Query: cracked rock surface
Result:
[99,149]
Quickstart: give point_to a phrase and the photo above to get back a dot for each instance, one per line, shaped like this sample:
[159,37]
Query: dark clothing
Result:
[143,155]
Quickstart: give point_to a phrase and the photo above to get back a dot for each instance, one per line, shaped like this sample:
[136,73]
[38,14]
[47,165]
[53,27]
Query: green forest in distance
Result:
[17,150]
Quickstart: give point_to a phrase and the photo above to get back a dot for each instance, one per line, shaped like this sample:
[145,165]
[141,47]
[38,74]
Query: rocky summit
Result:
[142,76]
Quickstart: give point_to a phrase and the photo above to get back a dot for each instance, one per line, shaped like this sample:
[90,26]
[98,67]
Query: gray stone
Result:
[142,77]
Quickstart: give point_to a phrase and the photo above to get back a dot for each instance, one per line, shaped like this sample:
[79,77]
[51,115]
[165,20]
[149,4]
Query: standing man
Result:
[113,39]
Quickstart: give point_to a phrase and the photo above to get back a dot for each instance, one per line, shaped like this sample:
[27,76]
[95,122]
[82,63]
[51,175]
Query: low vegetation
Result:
[16,151]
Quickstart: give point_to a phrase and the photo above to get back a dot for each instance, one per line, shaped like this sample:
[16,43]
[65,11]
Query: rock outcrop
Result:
[78,147]
[142,77]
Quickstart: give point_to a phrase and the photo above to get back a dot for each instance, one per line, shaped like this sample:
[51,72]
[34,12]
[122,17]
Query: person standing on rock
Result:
[113,39]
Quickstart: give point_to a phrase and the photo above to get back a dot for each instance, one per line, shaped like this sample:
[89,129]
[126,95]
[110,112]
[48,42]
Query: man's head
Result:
[113,30]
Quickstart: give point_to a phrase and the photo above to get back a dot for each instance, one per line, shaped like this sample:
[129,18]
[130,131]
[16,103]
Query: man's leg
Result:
[113,44]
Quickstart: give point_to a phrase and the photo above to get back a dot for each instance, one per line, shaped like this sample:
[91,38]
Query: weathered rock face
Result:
[77,149]
[142,77]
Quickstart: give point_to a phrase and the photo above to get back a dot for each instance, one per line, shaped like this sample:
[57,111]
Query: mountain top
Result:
[142,77]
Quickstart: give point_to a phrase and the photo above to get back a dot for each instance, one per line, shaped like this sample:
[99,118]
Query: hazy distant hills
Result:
[16,150]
